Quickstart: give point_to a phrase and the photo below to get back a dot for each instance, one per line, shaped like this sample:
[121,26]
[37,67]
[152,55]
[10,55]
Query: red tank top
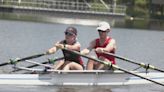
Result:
[107,41]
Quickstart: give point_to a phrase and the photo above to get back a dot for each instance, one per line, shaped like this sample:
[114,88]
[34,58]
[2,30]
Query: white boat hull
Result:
[96,77]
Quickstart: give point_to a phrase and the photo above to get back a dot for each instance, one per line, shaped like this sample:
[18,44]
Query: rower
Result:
[71,61]
[101,44]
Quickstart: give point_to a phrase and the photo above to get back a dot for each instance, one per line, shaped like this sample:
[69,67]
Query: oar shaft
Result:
[126,71]
[132,61]
[22,59]
[158,70]
[31,66]
[35,65]
[28,69]
[31,57]
[122,58]
[40,64]
[36,70]
[4,63]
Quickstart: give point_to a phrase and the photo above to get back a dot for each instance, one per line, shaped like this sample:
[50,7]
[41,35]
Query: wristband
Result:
[65,46]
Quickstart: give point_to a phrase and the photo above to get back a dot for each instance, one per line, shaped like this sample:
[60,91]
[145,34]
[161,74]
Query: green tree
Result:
[138,8]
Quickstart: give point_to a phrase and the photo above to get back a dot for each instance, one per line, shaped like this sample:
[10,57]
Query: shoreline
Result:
[61,17]
[82,19]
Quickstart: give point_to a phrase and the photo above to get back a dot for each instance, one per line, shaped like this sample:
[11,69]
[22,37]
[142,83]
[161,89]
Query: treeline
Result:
[137,8]
[143,9]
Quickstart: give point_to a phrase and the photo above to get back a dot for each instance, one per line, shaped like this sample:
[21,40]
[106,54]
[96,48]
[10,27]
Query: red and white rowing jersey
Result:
[107,41]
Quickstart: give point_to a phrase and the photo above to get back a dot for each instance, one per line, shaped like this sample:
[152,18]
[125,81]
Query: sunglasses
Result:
[68,34]
[102,31]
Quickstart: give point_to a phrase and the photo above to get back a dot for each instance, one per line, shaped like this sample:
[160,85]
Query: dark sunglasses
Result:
[102,31]
[69,34]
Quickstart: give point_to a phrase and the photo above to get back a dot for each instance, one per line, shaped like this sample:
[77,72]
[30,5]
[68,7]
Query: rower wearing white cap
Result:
[101,44]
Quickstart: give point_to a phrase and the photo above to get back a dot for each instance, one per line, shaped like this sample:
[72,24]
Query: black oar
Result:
[22,59]
[35,65]
[115,66]
[132,61]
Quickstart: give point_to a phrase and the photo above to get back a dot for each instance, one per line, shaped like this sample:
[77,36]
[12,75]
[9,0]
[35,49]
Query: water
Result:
[21,39]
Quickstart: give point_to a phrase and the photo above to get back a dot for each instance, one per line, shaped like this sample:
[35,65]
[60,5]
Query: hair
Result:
[72,30]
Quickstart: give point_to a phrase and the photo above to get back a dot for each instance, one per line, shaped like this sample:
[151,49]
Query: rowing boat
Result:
[118,77]
[80,77]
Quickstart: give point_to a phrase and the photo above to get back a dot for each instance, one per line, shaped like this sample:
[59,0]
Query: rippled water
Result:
[21,39]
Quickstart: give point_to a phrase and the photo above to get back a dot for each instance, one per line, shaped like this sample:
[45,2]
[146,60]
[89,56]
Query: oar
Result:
[132,61]
[22,59]
[40,64]
[115,66]
[35,65]
[34,70]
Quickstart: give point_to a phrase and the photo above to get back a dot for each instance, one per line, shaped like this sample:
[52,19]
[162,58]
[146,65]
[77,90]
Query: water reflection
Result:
[63,89]
[83,89]
[144,24]
[86,20]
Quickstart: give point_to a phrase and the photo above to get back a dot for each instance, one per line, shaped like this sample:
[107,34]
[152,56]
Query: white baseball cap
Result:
[103,26]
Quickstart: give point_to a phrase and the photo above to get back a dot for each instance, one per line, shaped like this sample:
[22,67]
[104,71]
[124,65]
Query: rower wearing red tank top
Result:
[101,44]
